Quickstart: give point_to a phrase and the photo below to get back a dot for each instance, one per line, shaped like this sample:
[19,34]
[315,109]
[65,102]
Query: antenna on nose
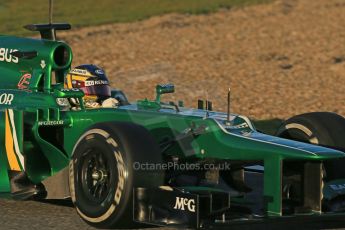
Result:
[228,121]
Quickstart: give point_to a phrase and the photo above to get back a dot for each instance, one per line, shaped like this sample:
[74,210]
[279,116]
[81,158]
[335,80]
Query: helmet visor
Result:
[101,91]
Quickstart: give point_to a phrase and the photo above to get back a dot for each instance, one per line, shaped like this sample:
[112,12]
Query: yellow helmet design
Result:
[91,80]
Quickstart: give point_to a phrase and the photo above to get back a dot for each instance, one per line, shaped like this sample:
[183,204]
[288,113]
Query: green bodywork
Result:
[47,133]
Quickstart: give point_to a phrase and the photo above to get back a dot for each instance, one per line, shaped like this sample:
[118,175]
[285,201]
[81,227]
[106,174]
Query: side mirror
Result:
[163,89]
[70,93]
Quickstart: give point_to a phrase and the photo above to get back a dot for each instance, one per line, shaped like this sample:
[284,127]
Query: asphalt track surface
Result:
[49,214]
[53,214]
[60,214]
[19,215]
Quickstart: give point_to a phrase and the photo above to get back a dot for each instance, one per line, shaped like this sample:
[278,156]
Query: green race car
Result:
[148,161]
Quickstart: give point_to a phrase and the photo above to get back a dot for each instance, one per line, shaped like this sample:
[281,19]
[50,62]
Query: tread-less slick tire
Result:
[102,176]
[319,128]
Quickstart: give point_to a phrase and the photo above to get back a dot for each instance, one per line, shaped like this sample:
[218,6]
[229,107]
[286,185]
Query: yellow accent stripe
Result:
[11,156]
[69,81]
[75,77]
[80,78]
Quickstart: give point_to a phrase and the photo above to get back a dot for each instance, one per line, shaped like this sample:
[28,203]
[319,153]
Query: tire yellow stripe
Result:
[11,156]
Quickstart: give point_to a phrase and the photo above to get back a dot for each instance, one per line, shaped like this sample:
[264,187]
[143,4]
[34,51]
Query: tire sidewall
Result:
[328,128]
[118,197]
[134,144]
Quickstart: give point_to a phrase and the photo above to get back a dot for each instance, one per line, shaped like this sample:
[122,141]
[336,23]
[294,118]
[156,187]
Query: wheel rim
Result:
[96,176]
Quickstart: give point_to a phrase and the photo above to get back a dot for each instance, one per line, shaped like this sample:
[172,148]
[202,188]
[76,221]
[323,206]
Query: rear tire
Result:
[102,174]
[319,128]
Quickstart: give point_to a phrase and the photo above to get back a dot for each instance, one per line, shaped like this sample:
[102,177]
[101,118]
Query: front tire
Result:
[102,176]
[319,128]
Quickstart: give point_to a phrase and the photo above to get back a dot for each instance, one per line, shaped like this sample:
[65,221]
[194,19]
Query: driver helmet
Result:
[92,80]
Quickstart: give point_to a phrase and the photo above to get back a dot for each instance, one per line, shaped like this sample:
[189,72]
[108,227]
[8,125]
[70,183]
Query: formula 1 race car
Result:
[149,161]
